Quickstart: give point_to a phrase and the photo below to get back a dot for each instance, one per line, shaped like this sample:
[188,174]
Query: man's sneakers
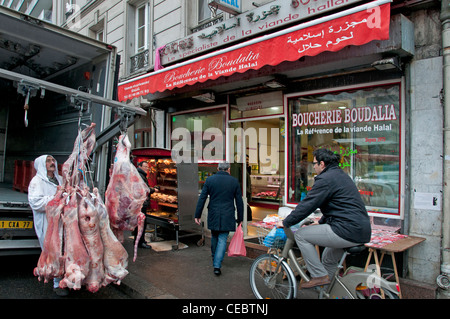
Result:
[217,271]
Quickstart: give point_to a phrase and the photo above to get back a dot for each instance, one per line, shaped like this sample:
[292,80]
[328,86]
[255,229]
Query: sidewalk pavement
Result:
[187,274]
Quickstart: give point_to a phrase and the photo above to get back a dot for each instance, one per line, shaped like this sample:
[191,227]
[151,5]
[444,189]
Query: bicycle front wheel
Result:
[271,278]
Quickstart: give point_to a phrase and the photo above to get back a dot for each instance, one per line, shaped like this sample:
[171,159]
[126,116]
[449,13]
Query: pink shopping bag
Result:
[237,246]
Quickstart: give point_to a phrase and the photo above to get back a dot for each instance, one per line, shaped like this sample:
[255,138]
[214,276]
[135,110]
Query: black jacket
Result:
[342,207]
[143,175]
[224,191]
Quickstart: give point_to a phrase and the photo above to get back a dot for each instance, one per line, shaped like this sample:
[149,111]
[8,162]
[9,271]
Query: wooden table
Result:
[390,243]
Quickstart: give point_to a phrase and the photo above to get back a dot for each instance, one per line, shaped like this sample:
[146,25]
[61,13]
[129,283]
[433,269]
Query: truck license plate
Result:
[15,224]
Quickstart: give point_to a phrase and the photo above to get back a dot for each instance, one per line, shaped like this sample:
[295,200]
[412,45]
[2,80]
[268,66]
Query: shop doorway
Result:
[258,149]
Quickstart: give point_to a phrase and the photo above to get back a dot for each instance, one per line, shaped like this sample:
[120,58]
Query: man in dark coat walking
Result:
[224,192]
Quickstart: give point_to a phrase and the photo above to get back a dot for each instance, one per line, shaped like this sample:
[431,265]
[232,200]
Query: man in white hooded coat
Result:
[41,190]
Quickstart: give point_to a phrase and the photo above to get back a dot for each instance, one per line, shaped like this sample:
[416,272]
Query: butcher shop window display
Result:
[81,244]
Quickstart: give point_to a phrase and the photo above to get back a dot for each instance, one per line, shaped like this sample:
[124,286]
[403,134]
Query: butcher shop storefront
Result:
[264,105]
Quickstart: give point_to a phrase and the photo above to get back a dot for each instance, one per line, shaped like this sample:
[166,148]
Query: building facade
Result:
[40,9]
[375,97]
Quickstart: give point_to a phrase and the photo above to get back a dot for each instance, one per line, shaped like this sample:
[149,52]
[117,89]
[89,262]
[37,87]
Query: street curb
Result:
[138,288]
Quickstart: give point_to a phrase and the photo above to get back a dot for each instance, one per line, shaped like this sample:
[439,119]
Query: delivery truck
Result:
[52,82]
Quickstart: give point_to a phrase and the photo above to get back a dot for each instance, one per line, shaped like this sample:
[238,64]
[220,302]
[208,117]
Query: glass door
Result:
[257,149]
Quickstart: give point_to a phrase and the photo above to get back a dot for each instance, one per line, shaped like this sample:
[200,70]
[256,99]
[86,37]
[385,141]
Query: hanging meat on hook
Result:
[89,222]
[115,257]
[51,262]
[73,168]
[79,245]
[125,194]
[77,261]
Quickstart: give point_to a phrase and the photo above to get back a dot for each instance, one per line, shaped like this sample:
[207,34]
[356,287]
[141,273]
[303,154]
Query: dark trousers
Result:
[135,231]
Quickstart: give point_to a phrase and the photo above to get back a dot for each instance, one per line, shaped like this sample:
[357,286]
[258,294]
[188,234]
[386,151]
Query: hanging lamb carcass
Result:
[125,194]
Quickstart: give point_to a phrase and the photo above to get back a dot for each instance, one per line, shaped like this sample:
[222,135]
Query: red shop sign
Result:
[354,29]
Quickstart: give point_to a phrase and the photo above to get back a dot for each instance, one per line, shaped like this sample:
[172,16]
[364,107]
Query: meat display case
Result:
[173,206]
[267,188]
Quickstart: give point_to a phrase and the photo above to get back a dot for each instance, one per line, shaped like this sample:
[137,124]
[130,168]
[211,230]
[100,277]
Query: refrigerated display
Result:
[173,206]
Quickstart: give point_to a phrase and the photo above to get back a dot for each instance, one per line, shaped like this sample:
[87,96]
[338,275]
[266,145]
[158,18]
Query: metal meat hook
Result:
[124,116]
[26,107]
[80,115]
[28,90]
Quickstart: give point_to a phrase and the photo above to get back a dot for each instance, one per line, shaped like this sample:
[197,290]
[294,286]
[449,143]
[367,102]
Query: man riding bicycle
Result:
[344,223]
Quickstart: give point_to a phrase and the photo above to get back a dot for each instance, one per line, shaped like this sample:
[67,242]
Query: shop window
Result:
[202,133]
[261,105]
[142,137]
[361,125]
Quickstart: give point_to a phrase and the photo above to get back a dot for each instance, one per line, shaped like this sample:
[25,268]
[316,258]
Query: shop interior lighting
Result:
[206,97]
[387,64]
[274,84]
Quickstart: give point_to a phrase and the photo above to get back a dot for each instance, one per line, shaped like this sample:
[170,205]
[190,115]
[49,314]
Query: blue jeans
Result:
[218,246]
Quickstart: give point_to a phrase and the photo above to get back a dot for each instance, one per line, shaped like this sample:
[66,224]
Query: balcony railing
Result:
[139,61]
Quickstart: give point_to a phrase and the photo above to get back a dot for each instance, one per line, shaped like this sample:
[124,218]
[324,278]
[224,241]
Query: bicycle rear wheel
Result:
[268,281]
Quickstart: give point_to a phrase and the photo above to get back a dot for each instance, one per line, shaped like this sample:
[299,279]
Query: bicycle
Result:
[274,275]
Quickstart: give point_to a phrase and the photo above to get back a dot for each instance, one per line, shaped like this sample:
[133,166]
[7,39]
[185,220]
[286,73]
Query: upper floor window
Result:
[24,6]
[72,7]
[97,31]
[204,13]
[141,27]
[99,35]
